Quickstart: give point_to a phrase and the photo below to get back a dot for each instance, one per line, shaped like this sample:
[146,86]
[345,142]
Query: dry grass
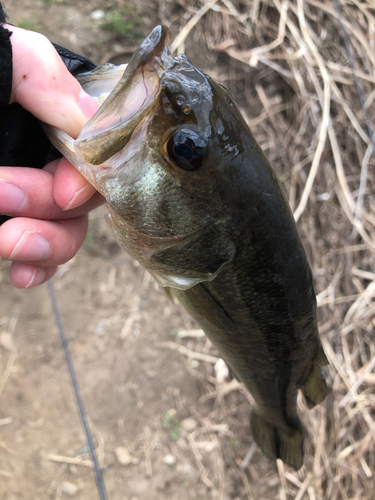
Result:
[286,63]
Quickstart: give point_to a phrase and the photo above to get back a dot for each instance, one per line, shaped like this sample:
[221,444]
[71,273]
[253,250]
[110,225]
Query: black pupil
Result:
[186,154]
[184,150]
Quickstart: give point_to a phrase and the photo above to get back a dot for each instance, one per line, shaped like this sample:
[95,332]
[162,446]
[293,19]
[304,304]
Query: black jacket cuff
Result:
[6,72]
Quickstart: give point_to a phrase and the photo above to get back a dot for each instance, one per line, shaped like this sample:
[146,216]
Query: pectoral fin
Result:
[168,292]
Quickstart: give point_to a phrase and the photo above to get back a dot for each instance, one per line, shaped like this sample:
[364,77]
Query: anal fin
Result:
[321,358]
[277,443]
[315,388]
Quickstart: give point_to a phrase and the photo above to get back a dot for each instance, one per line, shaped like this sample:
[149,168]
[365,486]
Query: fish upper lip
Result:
[110,129]
[154,45]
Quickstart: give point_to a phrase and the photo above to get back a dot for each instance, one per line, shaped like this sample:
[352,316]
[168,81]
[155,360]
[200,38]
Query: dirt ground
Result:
[140,393]
[165,426]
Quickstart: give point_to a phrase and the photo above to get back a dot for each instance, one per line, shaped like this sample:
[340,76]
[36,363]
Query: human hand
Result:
[49,206]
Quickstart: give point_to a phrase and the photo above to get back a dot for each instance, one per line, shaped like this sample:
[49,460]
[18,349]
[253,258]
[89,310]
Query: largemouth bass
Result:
[193,198]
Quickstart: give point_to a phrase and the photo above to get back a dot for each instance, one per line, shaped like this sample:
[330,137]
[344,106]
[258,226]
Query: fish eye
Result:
[185,152]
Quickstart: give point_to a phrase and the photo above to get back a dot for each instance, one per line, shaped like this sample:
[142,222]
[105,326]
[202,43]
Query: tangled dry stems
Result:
[286,64]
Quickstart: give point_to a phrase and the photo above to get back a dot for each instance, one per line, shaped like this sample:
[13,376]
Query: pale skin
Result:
[50,206]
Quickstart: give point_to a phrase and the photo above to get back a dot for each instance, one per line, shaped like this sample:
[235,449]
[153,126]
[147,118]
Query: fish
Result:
[192,197]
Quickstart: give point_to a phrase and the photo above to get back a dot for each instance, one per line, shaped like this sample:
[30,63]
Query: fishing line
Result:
[356,80]
[73,379]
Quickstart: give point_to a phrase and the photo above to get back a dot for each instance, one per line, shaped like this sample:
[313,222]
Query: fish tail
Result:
[315,388]
[277,443]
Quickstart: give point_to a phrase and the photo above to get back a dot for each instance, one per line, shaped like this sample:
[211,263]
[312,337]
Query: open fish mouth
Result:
[110,129]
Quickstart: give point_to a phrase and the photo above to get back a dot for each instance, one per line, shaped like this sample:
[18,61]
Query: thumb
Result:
[43,85]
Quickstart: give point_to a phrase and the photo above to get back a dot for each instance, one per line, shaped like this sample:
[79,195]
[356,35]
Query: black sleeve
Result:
[5,61]
[22,140]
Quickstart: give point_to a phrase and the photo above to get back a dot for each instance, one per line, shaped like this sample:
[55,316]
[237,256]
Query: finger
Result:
[28,192]
[43,85]
[43,243]
[70,189]
[95,201]
[27,275]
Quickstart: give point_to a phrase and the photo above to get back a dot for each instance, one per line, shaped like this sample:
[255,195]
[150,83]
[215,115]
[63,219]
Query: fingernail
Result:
[12,199]
[30,247]
[38,276]
[87,104]
[77,198]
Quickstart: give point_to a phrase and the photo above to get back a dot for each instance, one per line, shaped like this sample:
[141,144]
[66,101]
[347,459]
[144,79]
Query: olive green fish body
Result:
[192,197]
[260,312]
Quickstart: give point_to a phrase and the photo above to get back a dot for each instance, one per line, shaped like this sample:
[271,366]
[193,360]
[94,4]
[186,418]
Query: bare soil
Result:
[139,393]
